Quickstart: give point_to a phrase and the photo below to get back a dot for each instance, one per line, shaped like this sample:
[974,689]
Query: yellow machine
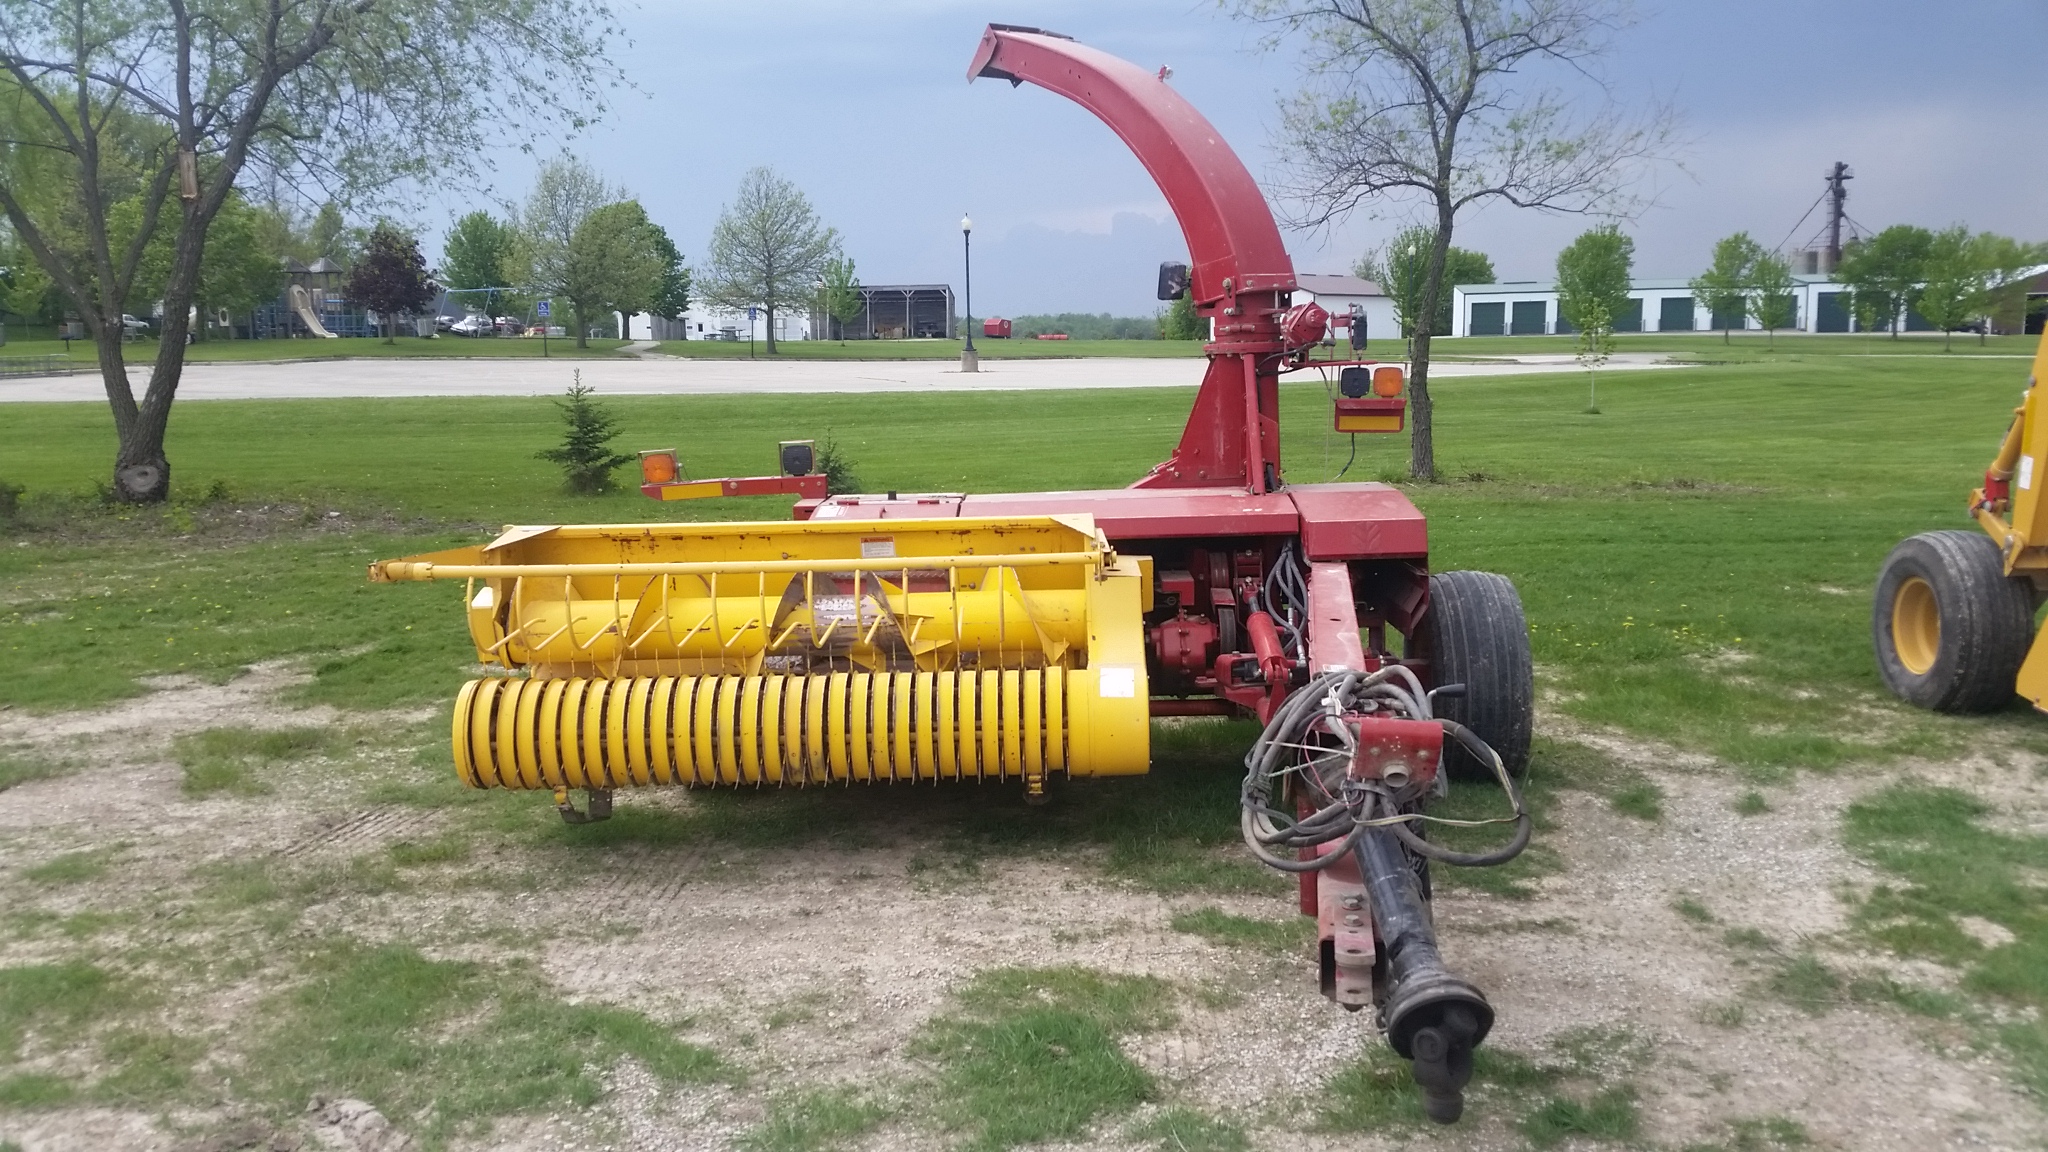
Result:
[803,652]
[1954,618]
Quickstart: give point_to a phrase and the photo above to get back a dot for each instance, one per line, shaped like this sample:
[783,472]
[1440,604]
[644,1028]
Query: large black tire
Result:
[1474,634]
[1951,628]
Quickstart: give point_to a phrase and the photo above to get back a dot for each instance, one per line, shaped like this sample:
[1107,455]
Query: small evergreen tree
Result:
[586,455]
[837,466]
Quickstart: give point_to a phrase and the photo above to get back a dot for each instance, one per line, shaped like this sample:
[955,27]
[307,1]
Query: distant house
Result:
[1339,294]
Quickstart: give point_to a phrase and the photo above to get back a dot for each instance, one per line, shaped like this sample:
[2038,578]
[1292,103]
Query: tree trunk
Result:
[582,327]
[1421,434]
[769,312]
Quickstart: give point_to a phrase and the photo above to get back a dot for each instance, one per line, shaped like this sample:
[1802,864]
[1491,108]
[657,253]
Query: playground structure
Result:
[1030,637]
[302,307]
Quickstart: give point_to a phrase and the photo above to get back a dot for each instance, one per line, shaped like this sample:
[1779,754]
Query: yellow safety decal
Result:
[691,491]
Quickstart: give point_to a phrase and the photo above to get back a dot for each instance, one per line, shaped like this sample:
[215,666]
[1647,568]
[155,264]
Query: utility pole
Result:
[1837,194]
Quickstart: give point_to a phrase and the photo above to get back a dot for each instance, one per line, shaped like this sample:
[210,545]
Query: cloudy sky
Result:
[866,107]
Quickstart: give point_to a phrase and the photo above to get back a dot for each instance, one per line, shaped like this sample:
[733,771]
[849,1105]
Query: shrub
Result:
[586,455]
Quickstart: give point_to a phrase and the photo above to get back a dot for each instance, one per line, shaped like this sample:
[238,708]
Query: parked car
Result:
[507,326]
[444,323]
[472,325]
[133,327]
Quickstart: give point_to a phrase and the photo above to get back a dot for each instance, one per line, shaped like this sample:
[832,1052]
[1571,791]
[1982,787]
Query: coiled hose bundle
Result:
[1305,754]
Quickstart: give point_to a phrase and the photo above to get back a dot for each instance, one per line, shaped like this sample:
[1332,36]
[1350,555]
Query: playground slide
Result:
[302,303]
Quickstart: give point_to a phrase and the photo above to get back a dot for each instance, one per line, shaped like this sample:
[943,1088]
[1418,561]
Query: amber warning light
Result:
[659,466]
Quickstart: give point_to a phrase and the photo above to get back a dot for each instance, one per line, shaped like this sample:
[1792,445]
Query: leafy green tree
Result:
[585,454]
[478,255]
[1593,275]
[1966,277]
[768,249]
[1951,283]
[1770,293]
[25,291]
[1438,100]
[672,295]
[612,264]
[169,104]
[1182,322]
[565,192]
[1401,270]
[1884,274]
[839,293]
[237,272]
[389,277]
[1723,289]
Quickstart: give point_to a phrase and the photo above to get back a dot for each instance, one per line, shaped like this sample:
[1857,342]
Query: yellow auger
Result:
[806,652]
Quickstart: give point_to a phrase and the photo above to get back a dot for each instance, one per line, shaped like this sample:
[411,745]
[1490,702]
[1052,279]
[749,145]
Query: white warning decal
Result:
[1116,682]
[877,547]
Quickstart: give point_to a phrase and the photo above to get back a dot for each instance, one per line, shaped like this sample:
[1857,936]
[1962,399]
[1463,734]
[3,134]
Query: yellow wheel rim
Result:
[1916,625]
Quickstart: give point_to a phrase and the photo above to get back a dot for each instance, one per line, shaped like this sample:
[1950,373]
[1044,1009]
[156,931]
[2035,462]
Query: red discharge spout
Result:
[1240,274]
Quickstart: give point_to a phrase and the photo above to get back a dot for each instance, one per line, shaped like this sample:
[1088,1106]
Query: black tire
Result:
[1474,634]
[1983,623]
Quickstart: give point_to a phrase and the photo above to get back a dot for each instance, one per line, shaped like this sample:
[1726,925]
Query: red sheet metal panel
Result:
[1153,513]
[1230,231]
[1332,619]
[902,507]
[1358,522]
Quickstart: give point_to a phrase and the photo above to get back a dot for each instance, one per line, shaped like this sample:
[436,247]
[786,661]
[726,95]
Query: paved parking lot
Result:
[658,376]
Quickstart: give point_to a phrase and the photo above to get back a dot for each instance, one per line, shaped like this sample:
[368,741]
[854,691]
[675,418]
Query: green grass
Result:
[237,760]
[1752,803]
[17,768]
[1693,910]
[71,867]
[1946,863]
[814,1120]
[1706,589]
[443,1047]
[1609,1115]
[1031,1055]
[1292,935]
[1183,1129]
[81,1014]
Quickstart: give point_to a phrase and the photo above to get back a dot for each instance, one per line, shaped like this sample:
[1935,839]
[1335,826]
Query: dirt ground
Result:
[814,965]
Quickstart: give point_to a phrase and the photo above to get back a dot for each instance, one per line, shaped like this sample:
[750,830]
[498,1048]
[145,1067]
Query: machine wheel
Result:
[1951,627]
[1475,634]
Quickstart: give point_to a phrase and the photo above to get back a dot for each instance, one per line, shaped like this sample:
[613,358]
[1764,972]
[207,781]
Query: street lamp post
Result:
[970,360]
